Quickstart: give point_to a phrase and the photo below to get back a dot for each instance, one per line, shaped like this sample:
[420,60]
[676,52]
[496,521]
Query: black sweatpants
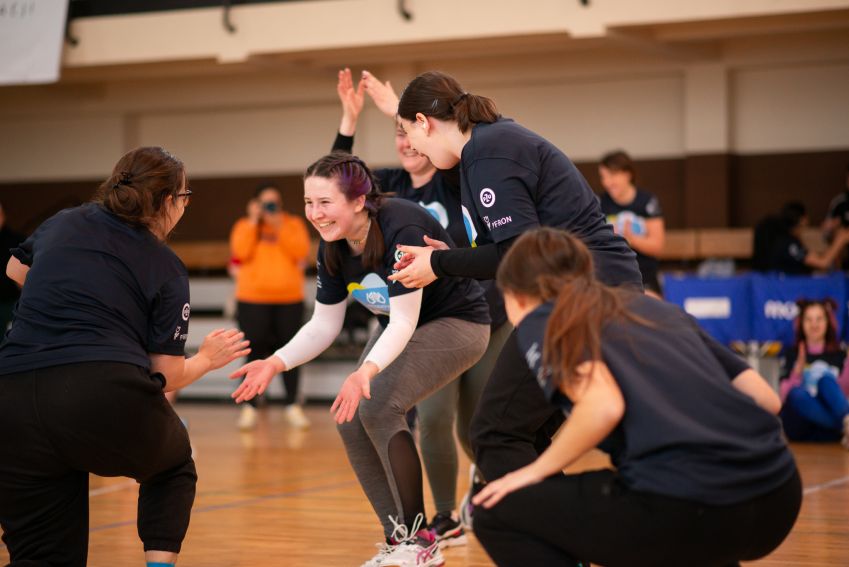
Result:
[269,326]
[513,422]
[593,517]
[61,423]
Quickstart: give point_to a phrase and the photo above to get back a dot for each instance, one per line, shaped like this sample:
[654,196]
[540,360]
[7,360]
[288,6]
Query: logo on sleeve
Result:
[186,311]
[487,197]
[398,255]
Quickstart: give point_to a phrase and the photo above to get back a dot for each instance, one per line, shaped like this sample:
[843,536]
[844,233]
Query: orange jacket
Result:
[271,260]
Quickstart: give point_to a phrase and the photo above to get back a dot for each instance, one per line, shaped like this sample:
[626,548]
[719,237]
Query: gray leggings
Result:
[457,399]
[438,353]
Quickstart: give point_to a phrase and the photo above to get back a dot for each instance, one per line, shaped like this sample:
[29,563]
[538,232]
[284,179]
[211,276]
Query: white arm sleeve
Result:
[315,336]
[403,318]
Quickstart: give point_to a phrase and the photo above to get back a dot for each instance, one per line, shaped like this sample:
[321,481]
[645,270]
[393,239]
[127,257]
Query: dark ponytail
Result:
[354,179]
[552,265]
[440,96]
[139,184]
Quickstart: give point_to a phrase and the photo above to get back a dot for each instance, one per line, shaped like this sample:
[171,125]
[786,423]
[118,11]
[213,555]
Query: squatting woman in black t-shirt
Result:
[428,338]
[702,477]
[512,180]
[98,335]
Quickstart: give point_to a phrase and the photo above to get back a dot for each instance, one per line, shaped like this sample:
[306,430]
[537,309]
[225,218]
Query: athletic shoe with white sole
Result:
[416,549]
[448,531]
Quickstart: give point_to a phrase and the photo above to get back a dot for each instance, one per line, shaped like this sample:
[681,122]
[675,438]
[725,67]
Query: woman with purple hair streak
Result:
[427,338]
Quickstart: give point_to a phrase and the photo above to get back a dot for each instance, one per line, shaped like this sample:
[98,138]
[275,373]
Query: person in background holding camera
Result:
[271,247]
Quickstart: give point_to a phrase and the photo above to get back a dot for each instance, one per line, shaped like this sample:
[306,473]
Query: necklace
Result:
[356,243]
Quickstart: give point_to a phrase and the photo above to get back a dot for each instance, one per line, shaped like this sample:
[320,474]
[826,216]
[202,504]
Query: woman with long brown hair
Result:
[703,475]
[99,335]
[512,180]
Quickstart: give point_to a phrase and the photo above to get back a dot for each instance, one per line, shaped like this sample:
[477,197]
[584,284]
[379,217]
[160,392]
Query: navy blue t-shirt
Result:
[645,206]
[686,432]
[401,222]
[514,180]
[788,256]
[98,290]
[441,198]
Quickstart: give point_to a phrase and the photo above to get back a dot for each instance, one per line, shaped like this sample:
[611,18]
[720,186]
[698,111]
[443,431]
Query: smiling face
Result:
[428,137]
[411,160]
[814,324]
[330,212]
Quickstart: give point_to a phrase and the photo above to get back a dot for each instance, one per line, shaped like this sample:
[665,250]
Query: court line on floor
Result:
[111,488]
[826,485]
[238,503]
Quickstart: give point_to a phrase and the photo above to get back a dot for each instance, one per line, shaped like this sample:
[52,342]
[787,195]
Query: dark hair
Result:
[552,265]
[440,96]
[354,179]
[829,306]
[619,160]
[135,192]
[265,185]
[792,214]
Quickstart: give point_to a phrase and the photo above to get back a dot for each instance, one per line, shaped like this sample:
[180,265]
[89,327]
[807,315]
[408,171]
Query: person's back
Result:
[90,293]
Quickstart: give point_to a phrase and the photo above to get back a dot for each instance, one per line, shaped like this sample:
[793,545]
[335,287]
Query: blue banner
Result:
[721,305]
[758,307]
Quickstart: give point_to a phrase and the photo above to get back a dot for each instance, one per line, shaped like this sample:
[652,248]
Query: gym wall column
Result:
[707,167]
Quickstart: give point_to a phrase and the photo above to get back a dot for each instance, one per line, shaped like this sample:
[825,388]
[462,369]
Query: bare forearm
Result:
[193,369]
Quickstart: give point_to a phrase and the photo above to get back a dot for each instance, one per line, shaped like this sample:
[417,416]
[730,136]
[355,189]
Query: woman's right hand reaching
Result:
[352,101]
[258,375]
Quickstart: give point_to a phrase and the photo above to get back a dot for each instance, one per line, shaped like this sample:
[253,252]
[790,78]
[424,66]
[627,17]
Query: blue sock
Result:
[159,564]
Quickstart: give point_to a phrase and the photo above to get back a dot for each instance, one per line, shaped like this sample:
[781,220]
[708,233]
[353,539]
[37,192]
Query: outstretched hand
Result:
[356,387]
[382,94]
[223,346]
[258,375]
[352,100]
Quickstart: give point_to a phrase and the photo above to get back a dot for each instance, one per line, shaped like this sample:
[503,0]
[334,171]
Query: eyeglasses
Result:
[187,194]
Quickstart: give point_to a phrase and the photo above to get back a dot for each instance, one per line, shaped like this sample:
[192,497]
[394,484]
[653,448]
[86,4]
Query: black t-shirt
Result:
[401,222]
[644,206]
[514,180]
[816,365]
[686,432]
[9,291]
[441,198]
[97,290]
[788,256]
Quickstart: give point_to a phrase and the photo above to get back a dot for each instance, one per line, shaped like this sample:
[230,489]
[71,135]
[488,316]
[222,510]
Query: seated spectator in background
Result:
[838,216]
[635,214]
[9,290]
[778,247]
[814,391]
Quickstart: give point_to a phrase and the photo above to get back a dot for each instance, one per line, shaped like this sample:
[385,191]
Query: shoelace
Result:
[401,533]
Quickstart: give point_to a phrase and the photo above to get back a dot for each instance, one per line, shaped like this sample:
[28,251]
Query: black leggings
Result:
[61,423]
[269,326]
[593,517]
[514,422]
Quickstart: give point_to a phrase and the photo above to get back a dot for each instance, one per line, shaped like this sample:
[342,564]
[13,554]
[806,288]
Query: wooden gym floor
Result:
[281,497]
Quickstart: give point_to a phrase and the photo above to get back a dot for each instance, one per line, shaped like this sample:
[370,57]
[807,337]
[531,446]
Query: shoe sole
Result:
[453,541]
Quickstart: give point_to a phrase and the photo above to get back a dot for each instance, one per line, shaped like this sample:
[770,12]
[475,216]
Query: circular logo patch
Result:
[487,197]
[186,311]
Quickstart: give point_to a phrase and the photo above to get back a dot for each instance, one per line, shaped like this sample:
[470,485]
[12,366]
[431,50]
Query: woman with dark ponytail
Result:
[98,336]
[512,180]
[703,475]
[427,338]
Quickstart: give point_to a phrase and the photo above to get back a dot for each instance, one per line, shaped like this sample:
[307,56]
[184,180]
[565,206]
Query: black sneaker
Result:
[448,531]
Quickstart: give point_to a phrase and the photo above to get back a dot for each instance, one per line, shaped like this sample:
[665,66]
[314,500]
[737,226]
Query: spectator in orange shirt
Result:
[271,247]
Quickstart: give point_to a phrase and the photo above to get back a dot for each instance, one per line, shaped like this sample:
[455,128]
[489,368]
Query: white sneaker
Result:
[383,549]
[419,549]
[296,417]
[247,418]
